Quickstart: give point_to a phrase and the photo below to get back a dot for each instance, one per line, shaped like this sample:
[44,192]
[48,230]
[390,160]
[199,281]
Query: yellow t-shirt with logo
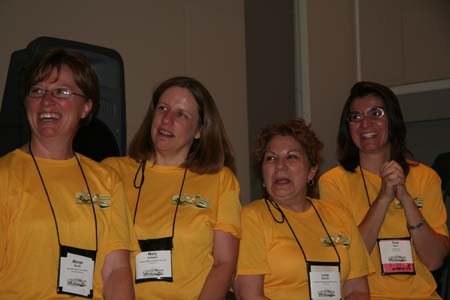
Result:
[29,250]
[209,202]
[269,248]
[423,184]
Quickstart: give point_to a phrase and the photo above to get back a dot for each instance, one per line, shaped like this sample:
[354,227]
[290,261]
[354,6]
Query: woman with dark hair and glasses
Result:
[183,195]
[65,227]
[396,202]
[294,246]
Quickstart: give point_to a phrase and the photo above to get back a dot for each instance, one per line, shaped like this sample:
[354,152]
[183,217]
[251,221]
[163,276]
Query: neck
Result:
[51,150]
[169,160]
[297,205]
[373,161]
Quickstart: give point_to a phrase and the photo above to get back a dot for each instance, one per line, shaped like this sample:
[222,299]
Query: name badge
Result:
[154,262]
[324,281]
[396,256]
[76,271]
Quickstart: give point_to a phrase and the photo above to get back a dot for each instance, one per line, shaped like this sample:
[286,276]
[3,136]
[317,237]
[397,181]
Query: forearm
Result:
[357,289]
[358,296]
[371,225]
[218,282]
[431,247]
[119,285]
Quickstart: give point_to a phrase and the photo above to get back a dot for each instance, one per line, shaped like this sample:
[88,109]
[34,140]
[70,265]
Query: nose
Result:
[280,164]
[365,122]
[167,117]
[47,98]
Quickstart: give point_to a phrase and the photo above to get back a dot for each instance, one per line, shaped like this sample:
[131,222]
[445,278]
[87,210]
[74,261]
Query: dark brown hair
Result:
[348,153]
[83,73]
[208,154]
[301,132]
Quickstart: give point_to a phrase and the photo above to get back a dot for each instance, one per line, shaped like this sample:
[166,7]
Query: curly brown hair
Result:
[301,132]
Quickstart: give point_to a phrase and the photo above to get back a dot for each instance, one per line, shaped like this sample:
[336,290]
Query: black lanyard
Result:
[284,218]
[141,183]
[50,203]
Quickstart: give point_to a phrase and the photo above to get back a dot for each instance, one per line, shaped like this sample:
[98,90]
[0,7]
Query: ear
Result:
[312,172]
[87,107]
[198,133]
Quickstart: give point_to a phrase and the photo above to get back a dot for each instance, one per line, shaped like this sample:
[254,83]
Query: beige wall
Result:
[404,44]
[157,39]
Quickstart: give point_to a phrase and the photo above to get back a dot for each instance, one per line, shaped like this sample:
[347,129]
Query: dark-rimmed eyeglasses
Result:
[58,93]
[373,114]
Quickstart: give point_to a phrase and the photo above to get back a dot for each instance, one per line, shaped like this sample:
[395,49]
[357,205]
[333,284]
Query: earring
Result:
[311,182]
[264,185]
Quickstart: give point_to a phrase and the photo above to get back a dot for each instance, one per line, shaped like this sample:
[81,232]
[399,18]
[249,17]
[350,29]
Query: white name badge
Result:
[154,265]
[324,282]
[76,275]
[396,256]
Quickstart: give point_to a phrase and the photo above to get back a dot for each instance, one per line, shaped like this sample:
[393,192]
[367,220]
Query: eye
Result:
[36,91]
[355,117]
[269,157]
[292,156]
[161,107]
[377,112]
[182,115]
[62,92]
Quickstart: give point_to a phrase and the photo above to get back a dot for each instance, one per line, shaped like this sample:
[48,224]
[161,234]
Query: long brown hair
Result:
[208,154]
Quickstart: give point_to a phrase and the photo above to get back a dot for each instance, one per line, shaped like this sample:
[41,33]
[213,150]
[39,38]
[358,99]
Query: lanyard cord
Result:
[365,186]
[142,168]
[50,203]
[284,218]
[141,183]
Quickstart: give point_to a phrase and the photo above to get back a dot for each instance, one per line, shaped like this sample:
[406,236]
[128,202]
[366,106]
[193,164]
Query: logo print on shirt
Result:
[340,239]
[84,198]
[189,200]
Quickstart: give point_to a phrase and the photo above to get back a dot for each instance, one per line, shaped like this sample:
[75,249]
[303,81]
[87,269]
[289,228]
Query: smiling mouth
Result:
[165,133]
[368,135]
[49,116]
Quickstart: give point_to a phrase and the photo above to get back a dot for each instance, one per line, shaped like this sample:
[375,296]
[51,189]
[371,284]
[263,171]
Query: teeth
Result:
[49,116]
[368,135]
[165,132]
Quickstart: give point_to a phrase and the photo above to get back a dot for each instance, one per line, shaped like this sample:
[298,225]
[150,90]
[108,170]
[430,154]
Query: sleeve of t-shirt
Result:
[229,210]
[252,249]
[121,235]
[360,262]
[434,210]
[331,190]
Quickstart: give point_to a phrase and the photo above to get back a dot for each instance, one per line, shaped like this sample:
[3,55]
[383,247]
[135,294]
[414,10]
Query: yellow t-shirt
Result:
[29,250]
[422,183]
[269,248]
[210,202]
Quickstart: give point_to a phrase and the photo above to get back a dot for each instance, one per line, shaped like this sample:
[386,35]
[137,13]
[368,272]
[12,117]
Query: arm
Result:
[356,289]
[117,276]
[250,287]
[431,247]
[225,253]
[391,175]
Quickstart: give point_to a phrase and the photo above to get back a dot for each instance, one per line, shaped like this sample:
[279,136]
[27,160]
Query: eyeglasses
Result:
[373,114]
[58,93]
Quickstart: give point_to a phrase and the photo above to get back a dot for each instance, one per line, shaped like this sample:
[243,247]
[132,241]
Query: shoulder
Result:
[327,205]
[13,160]
[123,165]
[254,208]
[227,177]
[420,170]
[335,174]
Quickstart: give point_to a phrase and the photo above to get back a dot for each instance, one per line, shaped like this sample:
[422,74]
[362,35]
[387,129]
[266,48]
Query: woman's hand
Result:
[392,176]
